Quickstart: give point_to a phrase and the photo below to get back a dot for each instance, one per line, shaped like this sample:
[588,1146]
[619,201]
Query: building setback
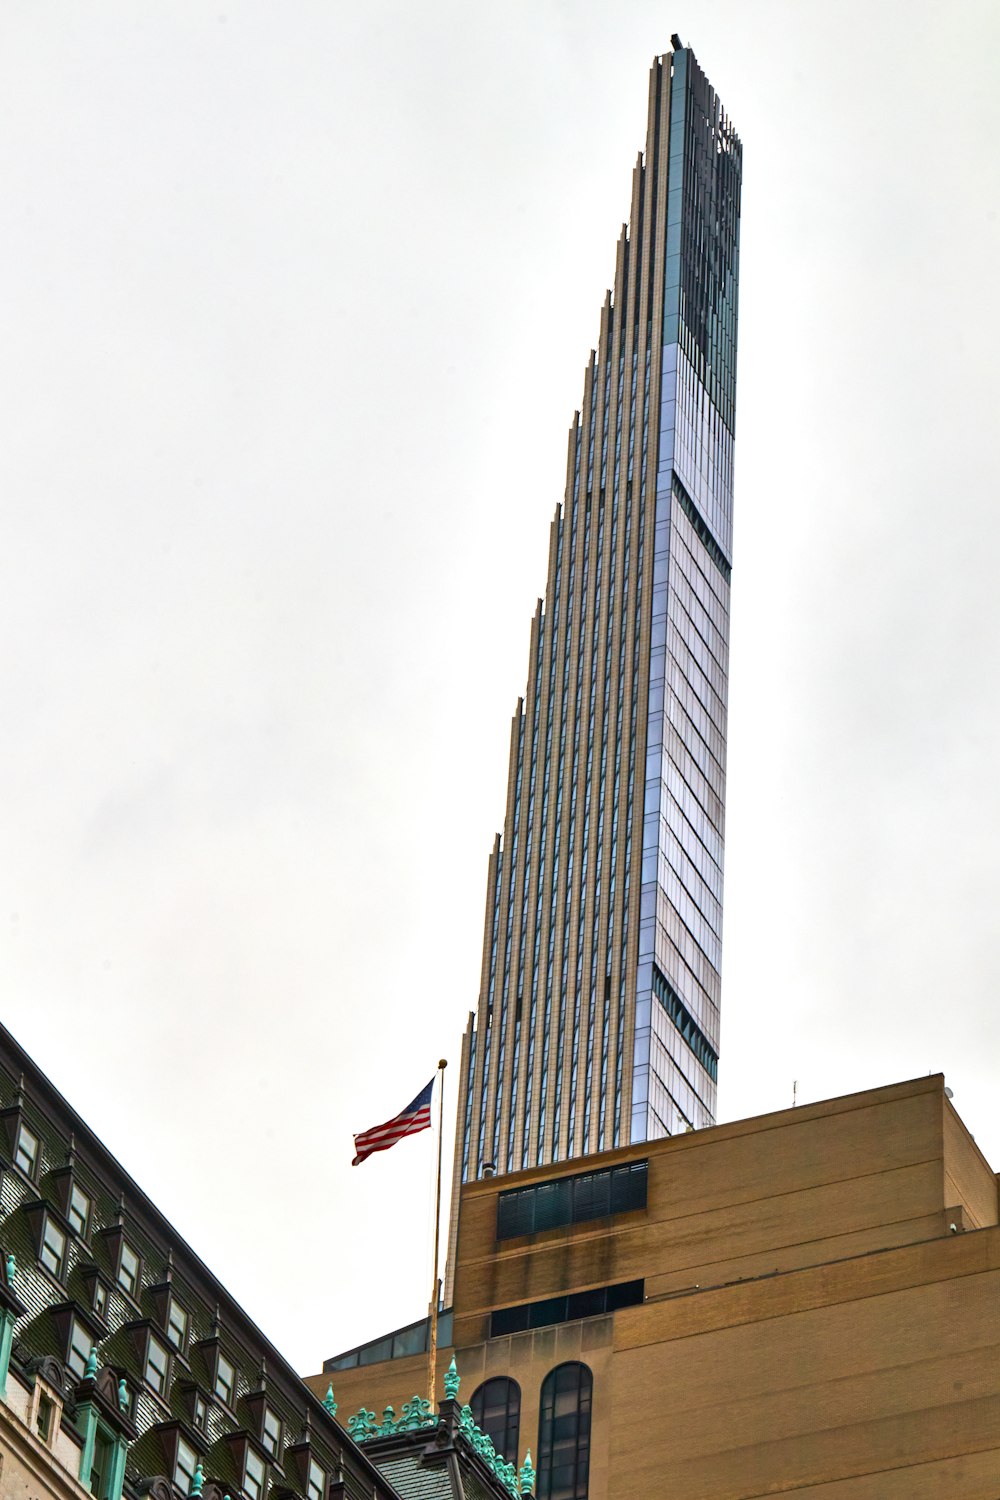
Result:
[804,1303]
[598,1015]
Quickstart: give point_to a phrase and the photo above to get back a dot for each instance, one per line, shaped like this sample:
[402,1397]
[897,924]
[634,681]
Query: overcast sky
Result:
[296,302]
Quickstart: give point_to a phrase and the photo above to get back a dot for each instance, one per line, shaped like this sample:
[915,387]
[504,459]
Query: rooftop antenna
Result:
[795,1092]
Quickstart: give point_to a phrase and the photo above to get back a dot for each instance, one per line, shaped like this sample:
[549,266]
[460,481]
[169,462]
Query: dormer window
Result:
[199,1414]
[52,1252]
[184,1466]
[157,1364]
[270,1433]
[177,1325]
[225,1380]
[78,1211]
[45,1405]
[128,1270]
[44,1418]
[80,1345]
[316,1484]
[26,1151]
[254,1475]
[100,1298]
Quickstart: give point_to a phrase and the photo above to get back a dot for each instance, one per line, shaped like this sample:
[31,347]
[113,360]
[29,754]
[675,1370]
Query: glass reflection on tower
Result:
[598,1014]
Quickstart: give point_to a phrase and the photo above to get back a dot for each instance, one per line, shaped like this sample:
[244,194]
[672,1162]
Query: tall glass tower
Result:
[598,1016]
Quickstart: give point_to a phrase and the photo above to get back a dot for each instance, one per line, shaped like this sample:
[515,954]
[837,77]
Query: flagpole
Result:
[433,1329]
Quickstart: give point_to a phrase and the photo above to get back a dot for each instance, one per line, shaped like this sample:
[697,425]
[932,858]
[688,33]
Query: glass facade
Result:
[598,1016]
[674,1066]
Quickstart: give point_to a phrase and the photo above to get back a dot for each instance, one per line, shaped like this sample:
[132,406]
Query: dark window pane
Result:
[100,1473]
[571,1200]
[586,1304]
[628,1187]
[515,1213]
[553,1203]
[509,1320]
[496,1408]
[626,1294]
[564,1434]
[591,1196]
[549,1310]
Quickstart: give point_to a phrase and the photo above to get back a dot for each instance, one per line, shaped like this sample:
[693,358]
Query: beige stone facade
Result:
[39,1458]
[821,1310]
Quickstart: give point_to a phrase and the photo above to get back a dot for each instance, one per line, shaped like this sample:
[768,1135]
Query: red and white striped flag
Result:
[415,1117]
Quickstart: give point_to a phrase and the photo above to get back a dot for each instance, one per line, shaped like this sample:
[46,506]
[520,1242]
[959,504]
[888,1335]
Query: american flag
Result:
[415,1117]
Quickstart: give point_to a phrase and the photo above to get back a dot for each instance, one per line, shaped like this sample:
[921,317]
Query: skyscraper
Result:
[598,1016]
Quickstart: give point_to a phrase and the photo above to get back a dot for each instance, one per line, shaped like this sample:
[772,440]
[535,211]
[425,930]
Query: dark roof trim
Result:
[40,1091]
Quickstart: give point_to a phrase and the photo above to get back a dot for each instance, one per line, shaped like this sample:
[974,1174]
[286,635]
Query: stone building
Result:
[804,1303]
[127,1370]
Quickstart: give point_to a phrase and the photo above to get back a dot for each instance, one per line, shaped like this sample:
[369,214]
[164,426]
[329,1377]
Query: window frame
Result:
[265,1437]
[44,1423]
[59,1270]
[251,1455]
[74,1325]
[71,1208]
[105,1443]
[508,1449]
[548,1418]
[126,1249]
[101,1437]
[152,1341]
[222,1359]
[319,1492]
[31,1171]
[172,1303]
[183,1443]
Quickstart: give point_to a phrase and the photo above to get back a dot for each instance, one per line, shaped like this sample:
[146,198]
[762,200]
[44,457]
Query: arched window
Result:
[564,1433]
[496,1408]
